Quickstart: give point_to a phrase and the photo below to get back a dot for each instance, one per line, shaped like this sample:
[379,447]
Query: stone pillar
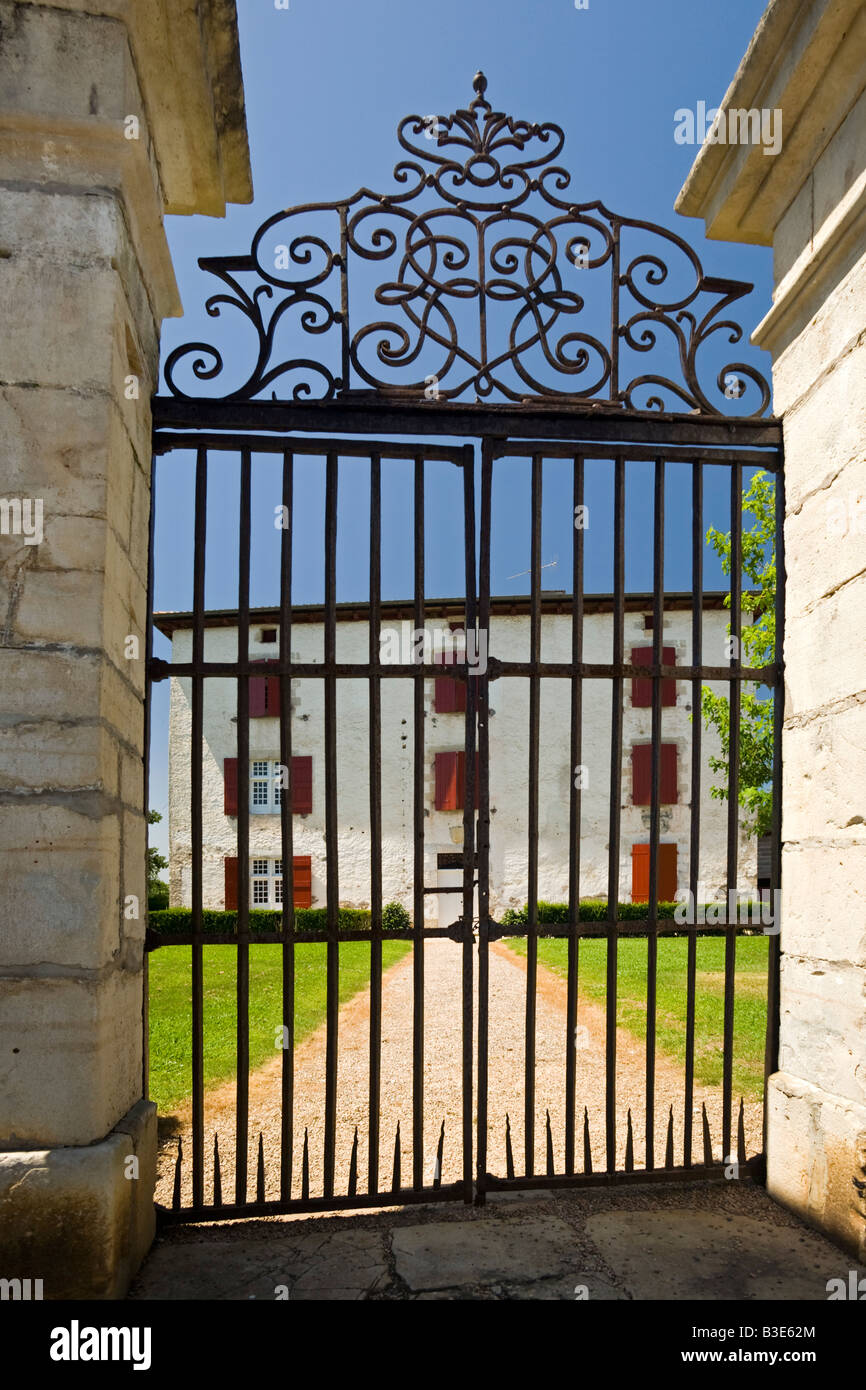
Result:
[112,112]
[808,60]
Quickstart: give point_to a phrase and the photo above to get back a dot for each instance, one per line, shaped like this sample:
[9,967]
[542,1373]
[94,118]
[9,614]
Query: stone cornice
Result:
[806,58]
[187,59]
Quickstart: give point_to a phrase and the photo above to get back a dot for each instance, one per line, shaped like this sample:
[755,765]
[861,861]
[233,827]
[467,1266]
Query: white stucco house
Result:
[508,639]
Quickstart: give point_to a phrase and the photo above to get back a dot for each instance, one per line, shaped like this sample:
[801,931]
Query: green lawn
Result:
[171,1010]
[750,1001]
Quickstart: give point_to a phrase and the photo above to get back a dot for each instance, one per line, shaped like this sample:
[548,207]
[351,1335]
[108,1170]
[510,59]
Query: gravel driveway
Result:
[442,1082]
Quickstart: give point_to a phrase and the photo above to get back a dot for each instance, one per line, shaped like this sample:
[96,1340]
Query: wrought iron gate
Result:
[520,286]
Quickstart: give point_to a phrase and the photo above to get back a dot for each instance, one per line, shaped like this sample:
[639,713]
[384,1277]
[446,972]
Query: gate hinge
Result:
[494,668]
[158,669]
[457,932]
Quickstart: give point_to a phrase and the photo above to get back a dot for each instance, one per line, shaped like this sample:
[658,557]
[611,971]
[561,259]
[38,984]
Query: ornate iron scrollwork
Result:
[491,265]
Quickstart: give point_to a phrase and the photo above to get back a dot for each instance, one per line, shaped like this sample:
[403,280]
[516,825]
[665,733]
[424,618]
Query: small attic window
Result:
[648,622]
[268,634]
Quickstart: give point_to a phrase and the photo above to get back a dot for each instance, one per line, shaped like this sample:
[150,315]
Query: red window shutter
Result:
[264,693]
[461,781]
[303,879]
[258,688]
[231,880]
[302,785]
[447,790]
[668,775]
[642,687]
[449,695]
[272,695]
[230,786]
[667,871]
[640,873]
[641,774]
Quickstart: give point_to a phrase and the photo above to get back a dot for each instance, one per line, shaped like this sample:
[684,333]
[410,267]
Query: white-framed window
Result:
[266,883]
[265,790]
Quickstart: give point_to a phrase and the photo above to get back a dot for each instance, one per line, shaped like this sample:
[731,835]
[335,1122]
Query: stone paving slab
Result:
[690,1241]
[699,1255]
[450,1254]
[338,1265]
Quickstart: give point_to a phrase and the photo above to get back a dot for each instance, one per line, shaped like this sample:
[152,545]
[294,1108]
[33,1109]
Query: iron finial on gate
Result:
[479,86]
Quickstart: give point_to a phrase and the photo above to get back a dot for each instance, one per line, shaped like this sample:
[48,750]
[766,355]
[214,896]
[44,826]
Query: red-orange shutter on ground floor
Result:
[667,873]
[303,876]
[231,884]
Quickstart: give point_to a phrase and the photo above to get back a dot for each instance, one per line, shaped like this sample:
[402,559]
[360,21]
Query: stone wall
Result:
[809,203]
[86,173]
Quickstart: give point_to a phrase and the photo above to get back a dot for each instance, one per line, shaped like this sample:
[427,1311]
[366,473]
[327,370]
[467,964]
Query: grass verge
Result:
[750,998]
[171,1009]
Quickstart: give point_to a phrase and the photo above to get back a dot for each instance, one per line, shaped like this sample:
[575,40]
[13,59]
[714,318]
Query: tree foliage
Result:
[757,648]
[156,862]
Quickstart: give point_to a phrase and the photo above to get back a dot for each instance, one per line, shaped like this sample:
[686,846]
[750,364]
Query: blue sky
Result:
[326,82]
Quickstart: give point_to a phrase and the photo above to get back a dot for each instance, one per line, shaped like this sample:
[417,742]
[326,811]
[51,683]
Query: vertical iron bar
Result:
[375,744]
[243,933]
[197,745]
[196,833]
[470,804]
[615,808]
[418,863]
[734,689]
[575,762]
[331,827]
[286,837]
[655,808]
[695,796]
[532,819]
[483,827]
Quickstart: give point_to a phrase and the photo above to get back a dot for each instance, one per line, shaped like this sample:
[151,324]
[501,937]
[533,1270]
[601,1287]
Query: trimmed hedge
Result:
[177,921]
[157,897]
[591,910]
[595,910]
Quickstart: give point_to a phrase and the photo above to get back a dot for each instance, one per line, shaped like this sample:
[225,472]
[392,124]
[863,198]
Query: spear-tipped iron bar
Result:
[440,1148]
[353,1167]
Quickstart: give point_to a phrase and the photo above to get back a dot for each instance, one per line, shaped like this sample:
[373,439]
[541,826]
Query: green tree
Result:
[757,648]
[156,862]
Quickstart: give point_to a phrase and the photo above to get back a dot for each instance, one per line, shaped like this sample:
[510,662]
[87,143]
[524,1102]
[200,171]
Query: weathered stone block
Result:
[81,1219]
[816,1157]
[73,1057]
[831,925]
[818,802]
[823,1025]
